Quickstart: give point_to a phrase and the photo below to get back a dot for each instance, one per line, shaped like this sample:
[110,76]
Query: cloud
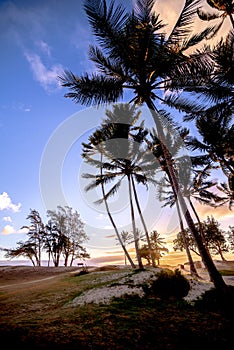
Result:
[16,106]
[9,230]
[7,218]
[107,259]
[44,47]
[111,236]
[47,77]
[6,203]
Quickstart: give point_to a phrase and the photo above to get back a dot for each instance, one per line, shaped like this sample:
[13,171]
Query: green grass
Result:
[127,323]
[227,272]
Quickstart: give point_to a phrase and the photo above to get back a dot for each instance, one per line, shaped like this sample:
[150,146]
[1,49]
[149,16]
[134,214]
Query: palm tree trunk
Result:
[185,240]
[199,223]
[231,19]
[114,225]
[143,223]
[186,245]
[136,239]
[214,274]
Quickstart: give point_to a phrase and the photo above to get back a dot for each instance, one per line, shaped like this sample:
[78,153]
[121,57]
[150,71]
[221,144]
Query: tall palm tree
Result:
[170,197]
[134,54]
[95,146]
[135,167]
[226,7]
[129,154]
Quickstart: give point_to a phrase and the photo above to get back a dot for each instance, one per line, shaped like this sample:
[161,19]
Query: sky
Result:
[42,131]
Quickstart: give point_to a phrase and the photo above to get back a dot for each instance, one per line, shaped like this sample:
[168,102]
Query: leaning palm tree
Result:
[163,192]
[226,7]
[120,122]
[95,146]
[137,166]
[135,54]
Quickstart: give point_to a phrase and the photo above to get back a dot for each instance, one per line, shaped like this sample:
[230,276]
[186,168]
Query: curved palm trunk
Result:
[136,239]
[143,223]
[231,19]
[214,274]
[185,240]
[114,225]
[186,245]
[199,223]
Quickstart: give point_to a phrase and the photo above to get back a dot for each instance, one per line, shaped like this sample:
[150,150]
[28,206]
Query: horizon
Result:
[35,116]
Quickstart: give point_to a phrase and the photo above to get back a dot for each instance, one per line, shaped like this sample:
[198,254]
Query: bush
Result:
[213,300]
[170,284]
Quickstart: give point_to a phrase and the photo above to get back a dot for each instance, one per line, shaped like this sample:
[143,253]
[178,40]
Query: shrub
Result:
[170,284]
[213,300]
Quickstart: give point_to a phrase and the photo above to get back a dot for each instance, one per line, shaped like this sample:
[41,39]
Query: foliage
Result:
[213,235]
[213,300]
[231,238]
[63,235]
[226,7]
[157,248]
[170,284]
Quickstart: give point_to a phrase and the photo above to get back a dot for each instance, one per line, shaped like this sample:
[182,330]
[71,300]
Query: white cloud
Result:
[44,47]
[47,77]
[7,218]
[9,230]
[6,203]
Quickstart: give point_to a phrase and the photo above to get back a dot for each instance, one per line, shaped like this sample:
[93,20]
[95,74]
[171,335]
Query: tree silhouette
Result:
[136,55]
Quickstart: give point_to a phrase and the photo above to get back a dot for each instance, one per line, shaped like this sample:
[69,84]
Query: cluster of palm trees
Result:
[135,54]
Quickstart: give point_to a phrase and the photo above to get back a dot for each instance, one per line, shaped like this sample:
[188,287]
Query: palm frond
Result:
[194,144]
[207,16]
[183,24]
[224,61]
[94,89]
[106,22]
[114,189]
[105,65]
[195,39]
[220,5]
[183,104]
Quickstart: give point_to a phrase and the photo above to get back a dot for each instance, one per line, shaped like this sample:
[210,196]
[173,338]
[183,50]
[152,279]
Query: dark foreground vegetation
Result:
[125,324]
[39,318]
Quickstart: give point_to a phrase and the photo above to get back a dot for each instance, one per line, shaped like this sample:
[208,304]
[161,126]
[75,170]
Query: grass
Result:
[227,272]
[35,318]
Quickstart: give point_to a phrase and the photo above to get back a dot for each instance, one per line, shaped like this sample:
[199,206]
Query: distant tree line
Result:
[61,238]
[217,240]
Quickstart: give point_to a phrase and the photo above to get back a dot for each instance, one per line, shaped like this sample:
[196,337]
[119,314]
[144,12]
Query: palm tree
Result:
[134,54]
[95,146]
[126,237]
[226,7]
[126,153]
[119,169]
[216,142]
[157,245]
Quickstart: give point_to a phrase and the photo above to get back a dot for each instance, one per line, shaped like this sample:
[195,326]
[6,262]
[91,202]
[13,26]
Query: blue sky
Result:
[38,40]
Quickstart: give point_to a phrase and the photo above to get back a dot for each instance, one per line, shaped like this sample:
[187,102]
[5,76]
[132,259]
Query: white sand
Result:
[130,283]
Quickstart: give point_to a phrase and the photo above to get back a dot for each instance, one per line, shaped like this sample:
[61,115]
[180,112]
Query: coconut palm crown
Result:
[134,53]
